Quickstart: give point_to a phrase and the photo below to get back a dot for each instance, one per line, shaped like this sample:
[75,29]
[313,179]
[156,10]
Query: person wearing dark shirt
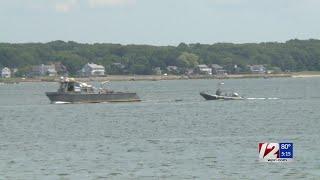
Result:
[218,92]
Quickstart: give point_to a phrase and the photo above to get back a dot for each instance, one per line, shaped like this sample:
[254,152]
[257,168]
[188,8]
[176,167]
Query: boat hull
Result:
[216,97]
[92,98]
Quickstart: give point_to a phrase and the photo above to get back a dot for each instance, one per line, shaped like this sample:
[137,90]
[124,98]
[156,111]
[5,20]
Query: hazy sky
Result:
[159,22]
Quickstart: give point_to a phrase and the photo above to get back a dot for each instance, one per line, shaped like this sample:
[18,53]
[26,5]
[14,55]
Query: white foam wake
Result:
[61,102]
[262,98]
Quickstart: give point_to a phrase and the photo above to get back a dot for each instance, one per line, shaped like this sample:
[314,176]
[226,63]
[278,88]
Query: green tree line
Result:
[293,55]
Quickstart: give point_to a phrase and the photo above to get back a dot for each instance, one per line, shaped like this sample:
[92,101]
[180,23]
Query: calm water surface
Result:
[161,138]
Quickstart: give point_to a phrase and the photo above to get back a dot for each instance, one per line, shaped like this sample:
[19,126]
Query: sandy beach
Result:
[163,77]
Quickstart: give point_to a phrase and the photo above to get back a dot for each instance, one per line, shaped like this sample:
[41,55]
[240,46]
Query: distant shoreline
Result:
[162,77]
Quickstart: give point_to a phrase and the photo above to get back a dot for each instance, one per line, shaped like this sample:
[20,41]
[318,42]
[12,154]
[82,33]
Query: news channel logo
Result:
[275,152]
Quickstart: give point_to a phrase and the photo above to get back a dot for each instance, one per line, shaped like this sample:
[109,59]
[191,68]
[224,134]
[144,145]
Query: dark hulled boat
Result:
[234,96]
[71,91]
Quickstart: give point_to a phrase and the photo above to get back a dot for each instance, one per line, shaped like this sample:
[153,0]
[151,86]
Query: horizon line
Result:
[146,44]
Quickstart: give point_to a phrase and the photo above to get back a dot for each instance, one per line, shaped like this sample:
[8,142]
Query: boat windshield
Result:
[70,87]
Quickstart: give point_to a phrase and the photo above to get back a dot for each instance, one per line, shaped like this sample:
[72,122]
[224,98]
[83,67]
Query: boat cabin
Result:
[72,86]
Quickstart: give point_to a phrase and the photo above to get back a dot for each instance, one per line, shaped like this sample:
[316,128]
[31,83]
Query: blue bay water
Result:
[161,138]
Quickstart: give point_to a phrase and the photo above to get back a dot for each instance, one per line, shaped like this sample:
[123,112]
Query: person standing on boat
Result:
[218,92]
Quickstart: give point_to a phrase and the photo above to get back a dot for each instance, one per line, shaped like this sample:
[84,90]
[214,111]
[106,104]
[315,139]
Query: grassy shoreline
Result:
[305,74]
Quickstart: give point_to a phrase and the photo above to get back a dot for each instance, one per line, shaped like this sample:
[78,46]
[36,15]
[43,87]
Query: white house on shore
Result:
[44,70]
[217,69]
[91,69]
[204,69]
[5,73]
[258,69]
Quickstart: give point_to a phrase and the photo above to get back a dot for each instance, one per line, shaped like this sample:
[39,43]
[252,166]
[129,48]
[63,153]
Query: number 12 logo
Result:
[269,150]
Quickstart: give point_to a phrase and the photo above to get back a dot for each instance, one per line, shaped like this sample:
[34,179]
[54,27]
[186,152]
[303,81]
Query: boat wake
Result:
[61,102]
[262,98]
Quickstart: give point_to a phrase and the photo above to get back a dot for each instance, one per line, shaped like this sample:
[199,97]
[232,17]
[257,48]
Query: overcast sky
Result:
[158,22]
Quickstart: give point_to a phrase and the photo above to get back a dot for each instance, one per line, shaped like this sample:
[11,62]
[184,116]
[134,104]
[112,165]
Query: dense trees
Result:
[294,55]
[188,60]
